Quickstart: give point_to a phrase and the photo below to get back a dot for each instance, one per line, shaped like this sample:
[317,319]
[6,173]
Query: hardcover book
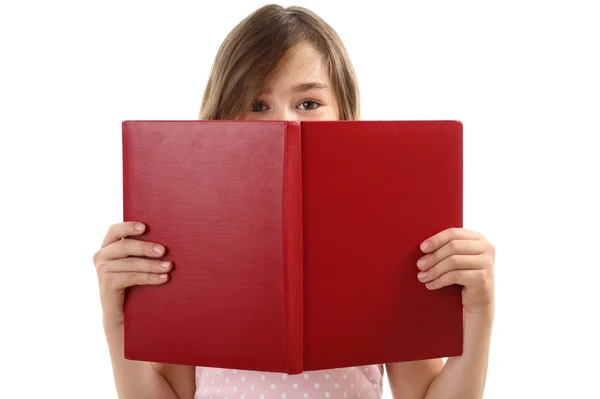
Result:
[294,244]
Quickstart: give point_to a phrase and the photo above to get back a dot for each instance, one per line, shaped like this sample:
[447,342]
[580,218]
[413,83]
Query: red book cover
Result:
[294,244]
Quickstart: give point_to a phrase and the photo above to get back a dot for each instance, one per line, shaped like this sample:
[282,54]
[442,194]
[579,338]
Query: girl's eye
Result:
[258,107]
[309,104]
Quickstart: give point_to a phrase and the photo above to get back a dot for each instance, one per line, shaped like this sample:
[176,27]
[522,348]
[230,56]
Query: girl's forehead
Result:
[301,68]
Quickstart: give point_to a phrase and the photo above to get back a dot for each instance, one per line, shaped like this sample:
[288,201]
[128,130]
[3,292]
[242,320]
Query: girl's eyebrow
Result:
[309,86]
[302,87]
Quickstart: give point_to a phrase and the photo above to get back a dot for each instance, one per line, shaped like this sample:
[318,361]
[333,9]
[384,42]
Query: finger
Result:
[134,264]
[453,262]
[130,247]
[437,241]
[467,278]
[120,281]
[454,247]
[121,230]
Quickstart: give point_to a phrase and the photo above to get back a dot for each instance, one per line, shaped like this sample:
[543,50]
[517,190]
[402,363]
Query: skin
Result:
[301,91]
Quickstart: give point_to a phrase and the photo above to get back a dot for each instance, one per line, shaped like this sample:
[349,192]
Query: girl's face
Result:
[301,90]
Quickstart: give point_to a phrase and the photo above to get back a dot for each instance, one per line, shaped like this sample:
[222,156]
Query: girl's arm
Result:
[141,380]
[122,262]
[464,376]
[461,377]
[463,257]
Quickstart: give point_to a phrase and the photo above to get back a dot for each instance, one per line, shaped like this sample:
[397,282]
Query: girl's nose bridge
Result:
[282,113]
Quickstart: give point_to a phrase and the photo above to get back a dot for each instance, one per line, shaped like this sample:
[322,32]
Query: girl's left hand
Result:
[460,256]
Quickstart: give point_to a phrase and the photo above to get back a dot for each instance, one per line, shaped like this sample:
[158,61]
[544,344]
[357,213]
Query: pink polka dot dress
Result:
[353,382]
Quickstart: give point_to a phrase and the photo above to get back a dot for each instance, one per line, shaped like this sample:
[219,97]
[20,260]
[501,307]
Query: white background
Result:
[522,76]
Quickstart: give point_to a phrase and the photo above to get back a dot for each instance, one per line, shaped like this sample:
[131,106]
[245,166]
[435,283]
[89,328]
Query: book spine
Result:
[292,241]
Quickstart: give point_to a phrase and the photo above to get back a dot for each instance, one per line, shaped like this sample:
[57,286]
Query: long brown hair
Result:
[251,54]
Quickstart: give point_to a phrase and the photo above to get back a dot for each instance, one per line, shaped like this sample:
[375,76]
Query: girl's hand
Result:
[460,256]
[122,262]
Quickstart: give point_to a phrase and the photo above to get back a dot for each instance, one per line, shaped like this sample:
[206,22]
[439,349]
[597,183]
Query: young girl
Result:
[288,64]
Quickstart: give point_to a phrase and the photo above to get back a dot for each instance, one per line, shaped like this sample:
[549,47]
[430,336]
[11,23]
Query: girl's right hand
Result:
[123,262]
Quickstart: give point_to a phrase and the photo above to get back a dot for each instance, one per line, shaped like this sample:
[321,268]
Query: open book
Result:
[294,244]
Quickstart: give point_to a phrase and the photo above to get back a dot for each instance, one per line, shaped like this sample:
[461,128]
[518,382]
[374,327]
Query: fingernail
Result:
[162,276]
[425,246]
[138,227]
[165,264]
[158,249]
[421,263]
[421,276]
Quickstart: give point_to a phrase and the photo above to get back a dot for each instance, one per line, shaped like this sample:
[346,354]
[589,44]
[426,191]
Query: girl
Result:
[281,64]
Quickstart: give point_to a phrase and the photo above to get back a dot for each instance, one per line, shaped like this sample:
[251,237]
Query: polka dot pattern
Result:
[351,382]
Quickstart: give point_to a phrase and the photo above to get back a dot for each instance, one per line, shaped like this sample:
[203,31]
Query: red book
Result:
[294,244]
